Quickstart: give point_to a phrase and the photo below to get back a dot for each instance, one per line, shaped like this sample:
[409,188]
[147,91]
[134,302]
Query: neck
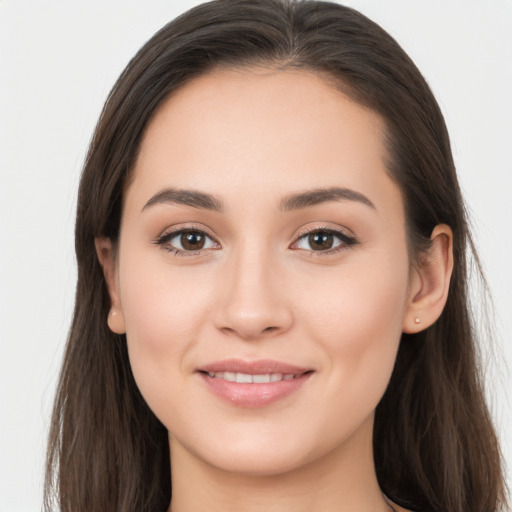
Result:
[343,480]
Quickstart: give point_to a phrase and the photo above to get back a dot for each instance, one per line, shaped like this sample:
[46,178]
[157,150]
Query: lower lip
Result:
[255,394]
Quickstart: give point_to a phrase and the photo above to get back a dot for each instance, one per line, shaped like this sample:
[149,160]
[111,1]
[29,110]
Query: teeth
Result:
[261,378]
[245,378]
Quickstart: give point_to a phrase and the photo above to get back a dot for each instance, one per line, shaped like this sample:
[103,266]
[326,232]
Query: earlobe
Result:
[106,257]
[115,320]
[430,282]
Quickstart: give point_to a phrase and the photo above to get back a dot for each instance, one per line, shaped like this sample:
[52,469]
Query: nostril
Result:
[246,332]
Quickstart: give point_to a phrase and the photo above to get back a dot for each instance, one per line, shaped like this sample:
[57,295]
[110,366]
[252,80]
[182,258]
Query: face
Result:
[262,275]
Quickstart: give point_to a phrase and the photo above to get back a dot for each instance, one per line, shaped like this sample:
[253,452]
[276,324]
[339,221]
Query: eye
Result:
[186,241]
[324,240]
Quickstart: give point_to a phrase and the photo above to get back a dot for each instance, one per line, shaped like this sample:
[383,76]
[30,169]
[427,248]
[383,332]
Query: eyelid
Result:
[313,229]
[186,226]
[347,240]
[173,231]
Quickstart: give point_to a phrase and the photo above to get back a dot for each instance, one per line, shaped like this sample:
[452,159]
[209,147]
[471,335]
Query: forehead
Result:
[262,130]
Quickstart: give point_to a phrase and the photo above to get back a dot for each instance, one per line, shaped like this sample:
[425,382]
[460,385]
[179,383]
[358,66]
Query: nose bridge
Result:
[253,304]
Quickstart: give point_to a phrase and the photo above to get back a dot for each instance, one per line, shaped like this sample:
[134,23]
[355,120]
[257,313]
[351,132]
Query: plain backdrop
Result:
[59,59]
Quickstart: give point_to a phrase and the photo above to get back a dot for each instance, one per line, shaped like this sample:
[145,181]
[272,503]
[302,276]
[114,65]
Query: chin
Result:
[255,455]
[257,464]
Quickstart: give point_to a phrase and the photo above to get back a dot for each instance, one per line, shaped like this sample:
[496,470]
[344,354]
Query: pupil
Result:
[321,240]
[192,240]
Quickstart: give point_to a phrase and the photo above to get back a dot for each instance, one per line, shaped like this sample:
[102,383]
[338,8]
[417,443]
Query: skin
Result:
[258,290]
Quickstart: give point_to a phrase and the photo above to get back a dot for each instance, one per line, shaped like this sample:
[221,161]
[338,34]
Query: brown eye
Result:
[192,240]
[321,240]
[324,240]
[186,242]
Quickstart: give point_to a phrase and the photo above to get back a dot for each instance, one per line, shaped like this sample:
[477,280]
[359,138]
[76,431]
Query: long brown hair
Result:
[434,444]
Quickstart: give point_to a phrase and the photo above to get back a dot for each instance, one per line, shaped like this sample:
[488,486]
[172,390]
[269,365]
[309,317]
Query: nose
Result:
[254,303]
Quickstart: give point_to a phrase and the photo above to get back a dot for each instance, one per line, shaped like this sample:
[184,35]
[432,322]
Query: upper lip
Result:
[260,367]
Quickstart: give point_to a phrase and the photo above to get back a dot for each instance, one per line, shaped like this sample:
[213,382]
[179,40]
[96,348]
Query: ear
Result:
[430,282]
[107,258]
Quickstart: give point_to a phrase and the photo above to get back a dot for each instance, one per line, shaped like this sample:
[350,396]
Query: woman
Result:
[271,309]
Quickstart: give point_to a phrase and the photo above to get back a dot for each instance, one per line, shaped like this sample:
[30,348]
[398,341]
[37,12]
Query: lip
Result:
[253,395]
[254,367]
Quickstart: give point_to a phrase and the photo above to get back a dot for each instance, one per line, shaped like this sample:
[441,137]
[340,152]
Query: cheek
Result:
[366,312]
[358,321]
[164,310]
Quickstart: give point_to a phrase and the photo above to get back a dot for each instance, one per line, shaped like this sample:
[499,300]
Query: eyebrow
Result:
[186,197]
[202,200]
[322,195]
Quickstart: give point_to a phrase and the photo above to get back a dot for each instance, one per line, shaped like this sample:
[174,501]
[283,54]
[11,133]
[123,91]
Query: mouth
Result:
[253,384]
[247,378]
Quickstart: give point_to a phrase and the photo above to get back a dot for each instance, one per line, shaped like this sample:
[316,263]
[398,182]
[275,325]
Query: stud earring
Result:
[417,320]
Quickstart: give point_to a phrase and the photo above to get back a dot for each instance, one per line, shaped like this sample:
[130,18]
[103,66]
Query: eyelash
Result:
[347,241]
[164,239]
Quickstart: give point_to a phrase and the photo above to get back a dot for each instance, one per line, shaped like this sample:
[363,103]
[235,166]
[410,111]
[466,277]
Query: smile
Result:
[246,378]
[253,384]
